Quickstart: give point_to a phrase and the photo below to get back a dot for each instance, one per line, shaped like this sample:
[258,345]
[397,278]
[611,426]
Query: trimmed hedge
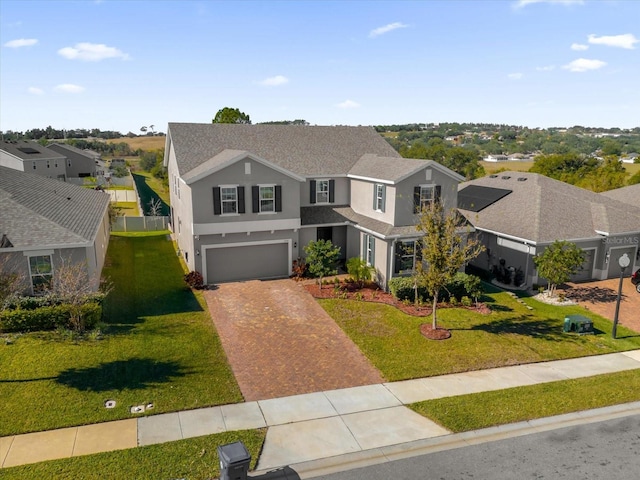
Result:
[47,317]
[463,285]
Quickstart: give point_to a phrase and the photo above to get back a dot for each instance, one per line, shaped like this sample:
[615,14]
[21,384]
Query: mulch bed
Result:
[370,292]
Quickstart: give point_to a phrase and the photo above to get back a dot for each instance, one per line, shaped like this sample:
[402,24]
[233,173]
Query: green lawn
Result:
[159,346]
[195,458]
[511,334]
[487,409]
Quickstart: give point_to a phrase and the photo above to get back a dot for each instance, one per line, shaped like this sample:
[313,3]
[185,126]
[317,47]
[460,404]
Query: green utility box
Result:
[578,324]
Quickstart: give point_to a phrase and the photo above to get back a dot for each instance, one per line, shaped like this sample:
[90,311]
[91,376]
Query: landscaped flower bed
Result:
[370,292]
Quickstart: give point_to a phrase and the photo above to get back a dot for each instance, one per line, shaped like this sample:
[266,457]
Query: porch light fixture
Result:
[624,261]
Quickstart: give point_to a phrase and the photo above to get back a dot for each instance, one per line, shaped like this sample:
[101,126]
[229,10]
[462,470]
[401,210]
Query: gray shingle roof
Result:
[70,150]
[542,210]
[303,150]
[330,214]
[36,211]
[43,153]
[630,194]
[394,169]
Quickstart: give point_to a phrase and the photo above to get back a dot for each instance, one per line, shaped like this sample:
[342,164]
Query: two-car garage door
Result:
[246,261]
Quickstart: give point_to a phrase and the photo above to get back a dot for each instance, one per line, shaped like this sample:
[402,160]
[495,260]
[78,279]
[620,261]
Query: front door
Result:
[325,233]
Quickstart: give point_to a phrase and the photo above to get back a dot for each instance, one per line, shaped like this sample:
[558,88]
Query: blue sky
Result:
[119,65]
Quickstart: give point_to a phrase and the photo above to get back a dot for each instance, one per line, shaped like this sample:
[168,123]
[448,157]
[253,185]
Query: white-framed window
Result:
[369,250]
[379,192]
[41,271]
[322,191]
[229,200]
[267,198]
[424,196]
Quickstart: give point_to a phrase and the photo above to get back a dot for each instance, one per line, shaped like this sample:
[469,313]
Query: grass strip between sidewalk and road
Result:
[191,458]
[487,409]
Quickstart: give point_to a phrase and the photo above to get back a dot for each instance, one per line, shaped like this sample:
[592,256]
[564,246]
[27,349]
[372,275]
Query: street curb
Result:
[376,456]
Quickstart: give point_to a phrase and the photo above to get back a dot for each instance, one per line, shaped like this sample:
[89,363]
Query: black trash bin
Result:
[234,461]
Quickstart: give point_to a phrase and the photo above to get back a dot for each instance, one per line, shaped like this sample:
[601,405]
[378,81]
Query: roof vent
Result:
[522,179]
[506,177]
[493,176]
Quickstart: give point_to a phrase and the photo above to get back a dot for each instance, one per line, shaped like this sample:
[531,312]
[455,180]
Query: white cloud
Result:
[579,47]
[584,65]
[275,81]
[515,76]
[69,88]
[386,29]
[35,91]
[21,42]
[628,40]
[546,68]
[524,3]
[91,52]
[348,104]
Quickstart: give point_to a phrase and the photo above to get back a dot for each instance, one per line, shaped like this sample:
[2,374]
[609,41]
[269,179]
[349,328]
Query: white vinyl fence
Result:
[140,224]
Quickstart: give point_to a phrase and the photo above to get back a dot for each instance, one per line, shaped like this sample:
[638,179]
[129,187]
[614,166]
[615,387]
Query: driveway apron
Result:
[280,342]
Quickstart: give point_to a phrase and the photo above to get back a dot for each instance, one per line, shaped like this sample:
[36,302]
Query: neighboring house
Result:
[44,222]
[79,163]
[30,156]
[495,158]
[516,215]
[247,199]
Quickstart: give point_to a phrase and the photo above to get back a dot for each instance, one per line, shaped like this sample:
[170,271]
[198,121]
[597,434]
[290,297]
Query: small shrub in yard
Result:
[359,271]
[300,269]
[402,289]
[466,301]
[194,280]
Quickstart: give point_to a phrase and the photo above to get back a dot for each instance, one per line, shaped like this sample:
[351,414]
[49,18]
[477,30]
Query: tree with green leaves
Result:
[446,247]
[358,269]
[322,257]
[558,262]
[231,115]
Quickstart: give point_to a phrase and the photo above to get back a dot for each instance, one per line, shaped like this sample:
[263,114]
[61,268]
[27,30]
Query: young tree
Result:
[321,258]
[12,281]
[558,262]
[72,282]
[445,250]
[155,207]
[231,115]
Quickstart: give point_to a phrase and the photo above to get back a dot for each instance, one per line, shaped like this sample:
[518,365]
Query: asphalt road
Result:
[607,450]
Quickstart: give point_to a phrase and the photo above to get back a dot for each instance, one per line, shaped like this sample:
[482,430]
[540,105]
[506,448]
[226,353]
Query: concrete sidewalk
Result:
[316,430]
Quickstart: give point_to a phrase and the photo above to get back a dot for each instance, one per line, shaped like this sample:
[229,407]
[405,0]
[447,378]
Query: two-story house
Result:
[30,156]
[79,164]
[246,199]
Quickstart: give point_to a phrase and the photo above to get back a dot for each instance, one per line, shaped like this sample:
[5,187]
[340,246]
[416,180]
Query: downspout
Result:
[391,263]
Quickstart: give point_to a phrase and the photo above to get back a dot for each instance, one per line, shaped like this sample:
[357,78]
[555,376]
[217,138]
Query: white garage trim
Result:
[204,249]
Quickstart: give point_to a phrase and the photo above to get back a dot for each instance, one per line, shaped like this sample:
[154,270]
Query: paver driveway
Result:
[600,297]
[280,342]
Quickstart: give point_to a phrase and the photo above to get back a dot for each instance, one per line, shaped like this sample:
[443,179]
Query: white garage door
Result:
[247,262]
